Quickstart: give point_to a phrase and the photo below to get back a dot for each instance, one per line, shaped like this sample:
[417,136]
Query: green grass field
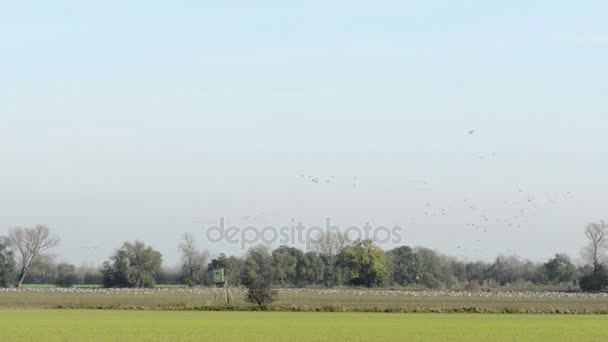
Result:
[30,315]
[134,326]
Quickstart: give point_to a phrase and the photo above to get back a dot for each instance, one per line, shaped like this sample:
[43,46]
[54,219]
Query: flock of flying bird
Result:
[318,180]
[481,222]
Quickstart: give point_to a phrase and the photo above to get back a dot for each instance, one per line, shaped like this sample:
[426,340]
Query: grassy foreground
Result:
[104,325]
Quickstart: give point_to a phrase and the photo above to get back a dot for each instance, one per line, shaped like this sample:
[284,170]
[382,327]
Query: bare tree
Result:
[193,260]
[31,246]
[595,251]
[329,245]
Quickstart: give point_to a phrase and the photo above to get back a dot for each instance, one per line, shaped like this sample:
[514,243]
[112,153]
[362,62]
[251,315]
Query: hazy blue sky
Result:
[148,119]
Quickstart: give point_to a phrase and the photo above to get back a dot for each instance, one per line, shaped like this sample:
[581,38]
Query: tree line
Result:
[25,258]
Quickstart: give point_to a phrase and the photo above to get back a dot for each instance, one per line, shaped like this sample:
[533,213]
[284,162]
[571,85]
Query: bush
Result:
[261,294]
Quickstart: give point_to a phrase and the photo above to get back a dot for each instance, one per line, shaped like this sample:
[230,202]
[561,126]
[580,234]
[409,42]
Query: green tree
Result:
[66,275]
[133,265]
[505,269]
[430,264]
[403,265]
[7,265]
[560,269]
[311,269]
[258,275]
[365,263]
[285,261]
[453,272]
[476,273]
